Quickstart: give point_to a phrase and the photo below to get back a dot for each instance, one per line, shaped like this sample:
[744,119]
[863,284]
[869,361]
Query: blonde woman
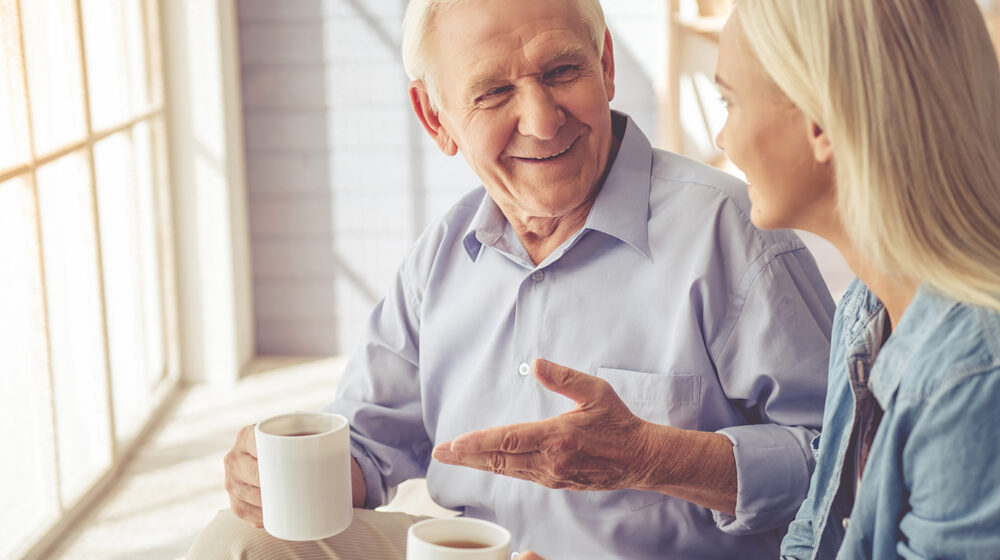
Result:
[876,124]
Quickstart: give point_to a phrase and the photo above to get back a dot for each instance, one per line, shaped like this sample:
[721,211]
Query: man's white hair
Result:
[417,23]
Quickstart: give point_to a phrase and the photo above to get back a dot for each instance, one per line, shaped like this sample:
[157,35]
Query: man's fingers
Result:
[242,478]
[242,467]
[515,438]
[244,492]
[496,462]
[246,441]
[247,512]
[582,388]
[533,467]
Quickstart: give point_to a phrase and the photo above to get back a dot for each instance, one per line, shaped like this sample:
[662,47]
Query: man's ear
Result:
[819,139]
[430,118]
[608,65]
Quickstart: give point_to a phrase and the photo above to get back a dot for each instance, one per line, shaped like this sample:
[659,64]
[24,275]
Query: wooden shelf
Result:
[707,26]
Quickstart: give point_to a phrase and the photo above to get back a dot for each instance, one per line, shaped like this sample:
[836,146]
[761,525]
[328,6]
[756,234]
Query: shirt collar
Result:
[621,209]
[927,308]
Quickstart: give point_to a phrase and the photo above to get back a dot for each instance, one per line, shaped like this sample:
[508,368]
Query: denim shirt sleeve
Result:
[950,472]
[774,366]
[800,540]
[379,394]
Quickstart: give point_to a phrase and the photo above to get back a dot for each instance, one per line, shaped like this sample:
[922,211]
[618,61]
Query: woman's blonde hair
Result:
[909,93]
[419,17]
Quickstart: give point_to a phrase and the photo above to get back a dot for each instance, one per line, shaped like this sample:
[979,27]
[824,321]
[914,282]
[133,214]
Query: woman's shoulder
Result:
[948,343]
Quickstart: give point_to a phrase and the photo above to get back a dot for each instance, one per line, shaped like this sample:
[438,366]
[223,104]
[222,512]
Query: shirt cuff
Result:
[375,492]
[773,467]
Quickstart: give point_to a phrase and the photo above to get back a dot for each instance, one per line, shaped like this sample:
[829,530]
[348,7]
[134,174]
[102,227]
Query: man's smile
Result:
[550,157]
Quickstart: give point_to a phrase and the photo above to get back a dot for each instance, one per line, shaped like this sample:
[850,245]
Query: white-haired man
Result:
[707,340]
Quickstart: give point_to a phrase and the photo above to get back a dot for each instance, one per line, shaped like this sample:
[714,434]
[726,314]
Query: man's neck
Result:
[540,236]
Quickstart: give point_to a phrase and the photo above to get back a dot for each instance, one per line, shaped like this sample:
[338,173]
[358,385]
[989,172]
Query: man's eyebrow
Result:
[483,83]
[568,51]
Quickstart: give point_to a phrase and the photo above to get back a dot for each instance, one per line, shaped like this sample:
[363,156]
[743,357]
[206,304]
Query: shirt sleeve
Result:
[379,394]
[950,470]
[773,365]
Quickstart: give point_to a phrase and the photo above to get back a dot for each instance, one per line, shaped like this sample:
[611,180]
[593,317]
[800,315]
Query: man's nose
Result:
[540,114]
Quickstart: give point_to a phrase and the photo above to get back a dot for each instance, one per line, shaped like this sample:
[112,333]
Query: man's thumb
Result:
[570,383]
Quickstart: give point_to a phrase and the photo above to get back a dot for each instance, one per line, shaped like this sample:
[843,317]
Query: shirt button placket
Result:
[524,369]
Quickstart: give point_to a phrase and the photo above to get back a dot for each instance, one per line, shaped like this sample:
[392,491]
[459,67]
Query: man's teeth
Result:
[553,155]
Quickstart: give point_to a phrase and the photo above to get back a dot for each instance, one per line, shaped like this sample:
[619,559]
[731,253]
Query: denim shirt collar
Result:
[621,209]
[864,340]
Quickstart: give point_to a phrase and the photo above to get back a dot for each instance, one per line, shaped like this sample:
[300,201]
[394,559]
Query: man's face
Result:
[524,97]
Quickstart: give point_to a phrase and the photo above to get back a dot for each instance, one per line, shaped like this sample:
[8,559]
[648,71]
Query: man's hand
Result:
[242,479]
[599,445]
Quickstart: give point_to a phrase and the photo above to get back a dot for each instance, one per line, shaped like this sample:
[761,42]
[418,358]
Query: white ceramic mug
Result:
[453,539]
[304,462]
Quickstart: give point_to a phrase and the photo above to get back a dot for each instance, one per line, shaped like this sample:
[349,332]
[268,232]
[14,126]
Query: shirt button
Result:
[846,522]
[537,276]
[524,369]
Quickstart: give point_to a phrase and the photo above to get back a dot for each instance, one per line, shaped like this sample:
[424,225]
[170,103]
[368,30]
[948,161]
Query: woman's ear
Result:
[820,141]
[430,118]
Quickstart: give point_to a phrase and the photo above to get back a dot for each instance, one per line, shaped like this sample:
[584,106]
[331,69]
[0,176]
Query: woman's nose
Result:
[719,139]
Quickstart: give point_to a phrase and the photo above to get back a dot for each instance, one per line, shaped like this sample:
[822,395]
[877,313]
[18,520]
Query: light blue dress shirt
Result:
[695,317]
[931,485]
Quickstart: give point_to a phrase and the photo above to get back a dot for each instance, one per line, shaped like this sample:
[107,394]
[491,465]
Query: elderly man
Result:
[705,341]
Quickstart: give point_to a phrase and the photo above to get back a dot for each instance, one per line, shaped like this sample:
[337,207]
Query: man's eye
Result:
[494,95]
[562,73]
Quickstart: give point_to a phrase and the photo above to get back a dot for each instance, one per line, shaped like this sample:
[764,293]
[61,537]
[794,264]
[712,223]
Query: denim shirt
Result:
[931,486]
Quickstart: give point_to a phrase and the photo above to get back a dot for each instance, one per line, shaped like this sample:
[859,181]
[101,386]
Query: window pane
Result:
[76,337]
[124,291]
[118,70]
[55,79]
[107,62]
[27,471]
[138,55]
[165,243]
[13,110]
[149,252]
[151,12]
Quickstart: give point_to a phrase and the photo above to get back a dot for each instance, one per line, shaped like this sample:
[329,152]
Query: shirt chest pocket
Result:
[670,399]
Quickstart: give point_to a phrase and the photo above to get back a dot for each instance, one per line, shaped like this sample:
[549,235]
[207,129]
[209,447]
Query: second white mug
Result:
[457,538]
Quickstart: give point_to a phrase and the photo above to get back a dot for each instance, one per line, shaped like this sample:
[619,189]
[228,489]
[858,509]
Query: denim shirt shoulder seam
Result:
[954,379]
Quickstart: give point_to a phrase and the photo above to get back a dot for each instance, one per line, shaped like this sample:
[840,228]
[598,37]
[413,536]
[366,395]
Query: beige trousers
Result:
[373,535]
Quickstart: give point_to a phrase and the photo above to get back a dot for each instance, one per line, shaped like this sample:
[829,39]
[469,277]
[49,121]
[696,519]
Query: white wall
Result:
[341,176]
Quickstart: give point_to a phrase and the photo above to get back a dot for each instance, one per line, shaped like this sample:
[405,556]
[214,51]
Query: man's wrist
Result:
[699,467]
[662,457]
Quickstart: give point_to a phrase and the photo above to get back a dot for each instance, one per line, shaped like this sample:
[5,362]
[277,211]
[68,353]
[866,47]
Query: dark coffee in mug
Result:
[299,434]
